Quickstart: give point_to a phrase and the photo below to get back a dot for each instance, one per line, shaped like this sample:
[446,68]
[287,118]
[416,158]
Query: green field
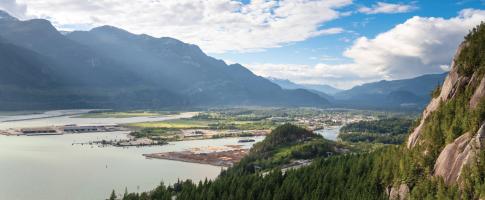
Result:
[120,114]
[206,123]
[173,124]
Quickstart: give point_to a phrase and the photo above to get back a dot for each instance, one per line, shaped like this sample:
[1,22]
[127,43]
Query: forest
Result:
[387,131]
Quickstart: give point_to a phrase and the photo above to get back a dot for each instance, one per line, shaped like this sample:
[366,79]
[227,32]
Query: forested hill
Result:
[107,67]
[387,131]
[443,157]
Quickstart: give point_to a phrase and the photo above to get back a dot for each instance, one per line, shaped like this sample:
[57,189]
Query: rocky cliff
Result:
[452,82]
[456,155]
[452,127]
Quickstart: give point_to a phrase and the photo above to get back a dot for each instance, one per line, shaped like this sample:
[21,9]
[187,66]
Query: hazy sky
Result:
[336,42]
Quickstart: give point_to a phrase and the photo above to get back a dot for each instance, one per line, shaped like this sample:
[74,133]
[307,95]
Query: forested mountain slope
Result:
[111,68]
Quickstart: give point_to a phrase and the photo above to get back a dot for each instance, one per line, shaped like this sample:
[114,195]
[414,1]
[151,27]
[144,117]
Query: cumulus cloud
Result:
[382,7]
[420,45]
[14,8]
[215,25]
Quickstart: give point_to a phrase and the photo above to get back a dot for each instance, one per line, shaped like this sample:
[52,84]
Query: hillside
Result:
[407,93]
[443,157]
[176,66]
[109,67]
[387,131]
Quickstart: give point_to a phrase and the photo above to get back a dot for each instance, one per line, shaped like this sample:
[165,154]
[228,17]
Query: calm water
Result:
[65,117]
[49,167]
[330,133]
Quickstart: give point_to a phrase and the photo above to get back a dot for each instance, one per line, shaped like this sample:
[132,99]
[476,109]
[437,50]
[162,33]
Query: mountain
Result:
[287,84]
[327,89]
[410,93]
[405,94]
[110,67]
[177,66]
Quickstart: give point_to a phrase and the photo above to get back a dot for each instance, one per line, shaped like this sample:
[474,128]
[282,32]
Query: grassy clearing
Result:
[173,124]
[122,114]
[206,124]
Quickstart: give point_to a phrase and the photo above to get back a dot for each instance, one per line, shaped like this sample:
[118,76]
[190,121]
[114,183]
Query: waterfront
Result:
[51,167]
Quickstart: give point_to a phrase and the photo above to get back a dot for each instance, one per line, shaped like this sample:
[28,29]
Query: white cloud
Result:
[14,8]
[445,67]
[215,25]
[382,7]
[421,45]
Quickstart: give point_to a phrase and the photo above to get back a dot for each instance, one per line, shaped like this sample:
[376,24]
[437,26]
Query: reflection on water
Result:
[50,167]
[330,133]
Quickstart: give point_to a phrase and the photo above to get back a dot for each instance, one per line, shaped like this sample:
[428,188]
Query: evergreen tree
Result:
[113,195]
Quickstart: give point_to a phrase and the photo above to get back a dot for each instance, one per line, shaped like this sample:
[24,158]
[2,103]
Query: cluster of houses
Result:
[329,120]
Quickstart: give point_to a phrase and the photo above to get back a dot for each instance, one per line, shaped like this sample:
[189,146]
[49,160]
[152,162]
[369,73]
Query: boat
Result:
[246,140]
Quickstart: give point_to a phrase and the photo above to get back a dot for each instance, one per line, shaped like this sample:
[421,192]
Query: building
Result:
[80,129]
[38,130]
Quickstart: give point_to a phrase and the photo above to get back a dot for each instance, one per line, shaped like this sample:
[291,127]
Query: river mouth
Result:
[50,167]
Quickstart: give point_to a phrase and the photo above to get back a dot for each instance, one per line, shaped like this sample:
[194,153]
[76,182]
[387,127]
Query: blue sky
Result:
[329,48]
[342,43]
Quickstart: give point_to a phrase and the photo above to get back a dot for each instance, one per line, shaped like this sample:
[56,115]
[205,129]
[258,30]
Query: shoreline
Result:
[218,158]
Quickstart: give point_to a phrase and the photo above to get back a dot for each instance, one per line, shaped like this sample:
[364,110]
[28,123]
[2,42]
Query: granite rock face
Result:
[452,159]
[400,192]
[458,154]
[452,82]
[463,150]
[478,95]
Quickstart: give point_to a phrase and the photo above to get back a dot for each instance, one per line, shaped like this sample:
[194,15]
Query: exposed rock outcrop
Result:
[452,82]
[452,159]
[399,193]
[479,93]
[458,154]
[463,150]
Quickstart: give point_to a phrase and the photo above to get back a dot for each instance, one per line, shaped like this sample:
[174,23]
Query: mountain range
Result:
[406,93]
[413,93]
[108,67]
[287,84]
